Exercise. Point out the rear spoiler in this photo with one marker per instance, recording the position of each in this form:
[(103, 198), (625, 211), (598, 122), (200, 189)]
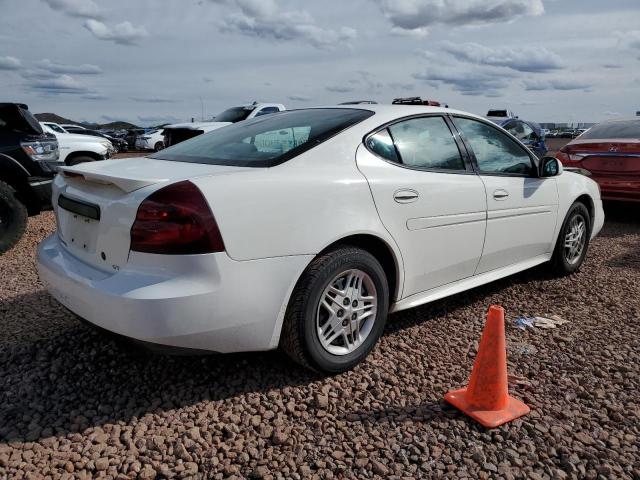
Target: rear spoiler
[(127, 184)]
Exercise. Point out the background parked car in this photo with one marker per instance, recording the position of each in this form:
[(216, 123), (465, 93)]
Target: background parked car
[(499, 115), (132, 135), (153, 140), (180, 132), (29, 158), (610, 151), (119, 144), (75, 148), (528, 133)]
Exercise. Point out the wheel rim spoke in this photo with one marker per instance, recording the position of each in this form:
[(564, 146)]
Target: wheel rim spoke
[(575, 239), (347, 312)]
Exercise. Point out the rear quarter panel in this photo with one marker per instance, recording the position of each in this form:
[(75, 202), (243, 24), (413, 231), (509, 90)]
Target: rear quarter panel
[(296, 208)]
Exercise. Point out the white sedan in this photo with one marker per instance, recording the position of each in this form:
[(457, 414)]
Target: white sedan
[(304, 229)]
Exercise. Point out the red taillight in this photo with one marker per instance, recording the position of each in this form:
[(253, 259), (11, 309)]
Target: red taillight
[(176, 220)]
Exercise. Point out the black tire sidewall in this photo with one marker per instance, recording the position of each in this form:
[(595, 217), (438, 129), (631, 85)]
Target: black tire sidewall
[(561, 262), (16, 221), (319, 357)]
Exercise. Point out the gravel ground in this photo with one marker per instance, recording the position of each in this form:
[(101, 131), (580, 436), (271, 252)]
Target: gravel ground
[(76, 403)]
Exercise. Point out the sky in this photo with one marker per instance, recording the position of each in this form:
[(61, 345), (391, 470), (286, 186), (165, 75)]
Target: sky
[(160, 61)]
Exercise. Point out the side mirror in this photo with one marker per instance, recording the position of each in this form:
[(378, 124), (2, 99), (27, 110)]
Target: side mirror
[(550, 167)]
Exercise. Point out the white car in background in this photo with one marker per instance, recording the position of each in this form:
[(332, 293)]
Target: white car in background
[(304, 229), (180, 132), (75, 148), (153, 140)]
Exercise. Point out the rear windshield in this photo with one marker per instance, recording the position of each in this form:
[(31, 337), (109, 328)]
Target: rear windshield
[(497, 113), (618, 129), (265, 141)]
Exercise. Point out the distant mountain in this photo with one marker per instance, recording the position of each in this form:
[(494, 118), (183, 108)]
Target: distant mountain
[(52, 117)]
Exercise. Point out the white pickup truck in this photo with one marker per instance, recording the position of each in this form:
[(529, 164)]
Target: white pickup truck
[(180, 132), (75, 149)]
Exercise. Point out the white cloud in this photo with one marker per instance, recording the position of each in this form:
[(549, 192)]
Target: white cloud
[(523, 59), (122, 33), (264, 20), (339, 89), (299, 98), (556, 84), (419, 15), (58, 85), (55, 67), (76, 8), (477, 83), (10, 63)]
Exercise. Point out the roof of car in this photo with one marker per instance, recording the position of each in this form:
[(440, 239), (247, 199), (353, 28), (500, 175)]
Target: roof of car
[(402, 110)]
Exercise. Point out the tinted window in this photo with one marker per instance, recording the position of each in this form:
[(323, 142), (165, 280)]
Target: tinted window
[(235, 114), (497, 113), (426, 143), (617, 129), (264, 141), (267, 110), (381, 144), (495, 152)]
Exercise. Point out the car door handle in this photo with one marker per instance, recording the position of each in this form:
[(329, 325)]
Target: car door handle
[(405, 196), (500, 194)]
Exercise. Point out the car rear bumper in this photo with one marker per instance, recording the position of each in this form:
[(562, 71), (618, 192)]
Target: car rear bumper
[(204, 302)]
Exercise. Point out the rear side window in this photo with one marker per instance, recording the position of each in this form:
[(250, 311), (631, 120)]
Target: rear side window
[(426, 143), (381, 144), (265, 141), (617, 129)]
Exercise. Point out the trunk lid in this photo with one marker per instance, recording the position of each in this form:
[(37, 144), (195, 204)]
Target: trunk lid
[(606, 156), (115, 189)]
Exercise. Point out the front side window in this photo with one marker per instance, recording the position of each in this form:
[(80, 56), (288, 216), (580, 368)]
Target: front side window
[(426, 142), (264, 141), (495, 152)]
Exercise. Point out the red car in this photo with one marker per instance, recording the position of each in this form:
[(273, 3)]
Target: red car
[(611, 152)]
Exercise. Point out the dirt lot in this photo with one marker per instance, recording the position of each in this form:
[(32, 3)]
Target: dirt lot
[(75, 403)]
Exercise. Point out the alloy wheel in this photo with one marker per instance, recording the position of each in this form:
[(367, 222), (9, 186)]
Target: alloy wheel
[(575, 239), (346, 312)]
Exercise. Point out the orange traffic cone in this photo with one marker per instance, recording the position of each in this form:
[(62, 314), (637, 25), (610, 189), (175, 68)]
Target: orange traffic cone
[(487, 399)]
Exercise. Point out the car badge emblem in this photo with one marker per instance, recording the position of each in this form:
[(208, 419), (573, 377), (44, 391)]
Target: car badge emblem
[(613, 149)]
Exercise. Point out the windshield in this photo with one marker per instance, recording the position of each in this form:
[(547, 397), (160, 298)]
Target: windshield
[(55, 128), (617, 129), (235, 114), (265, 141)]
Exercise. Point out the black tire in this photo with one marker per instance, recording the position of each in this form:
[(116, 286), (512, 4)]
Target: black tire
[(13, 218), (299, 337), (79, 159), (559, 262), (158, 146)]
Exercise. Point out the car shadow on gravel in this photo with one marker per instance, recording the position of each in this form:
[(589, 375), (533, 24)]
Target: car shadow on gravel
[(65, 382)]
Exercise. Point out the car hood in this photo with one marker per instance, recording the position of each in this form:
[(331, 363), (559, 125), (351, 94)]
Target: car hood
[(18, 117), (199, 125), (76, 137)]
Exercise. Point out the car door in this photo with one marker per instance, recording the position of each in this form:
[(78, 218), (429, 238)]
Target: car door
[(521, 208), (428, 198)]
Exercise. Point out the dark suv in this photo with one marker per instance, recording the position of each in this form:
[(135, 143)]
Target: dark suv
[(28, 163)]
